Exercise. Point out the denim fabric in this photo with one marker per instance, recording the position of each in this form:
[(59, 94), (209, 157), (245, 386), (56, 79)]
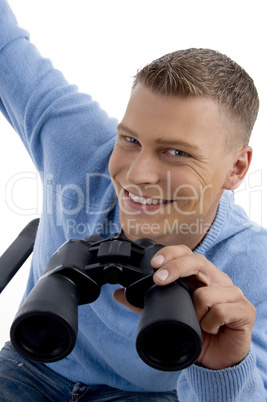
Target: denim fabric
[(22, 380)]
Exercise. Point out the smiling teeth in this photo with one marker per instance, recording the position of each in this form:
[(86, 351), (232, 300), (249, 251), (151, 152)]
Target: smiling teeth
[(145, 201)]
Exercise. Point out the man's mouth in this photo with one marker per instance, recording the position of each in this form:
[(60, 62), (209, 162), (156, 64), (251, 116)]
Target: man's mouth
[(147, 201)]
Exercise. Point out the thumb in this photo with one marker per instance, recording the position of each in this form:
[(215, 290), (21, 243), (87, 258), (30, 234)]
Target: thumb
[(119, 296)]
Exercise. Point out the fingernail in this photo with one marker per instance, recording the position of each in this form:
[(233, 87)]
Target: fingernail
[(162, 274), (158, 260)]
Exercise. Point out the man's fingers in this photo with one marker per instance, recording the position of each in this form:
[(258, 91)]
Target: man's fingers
[(119, 296), (177, 262), (219, 306)]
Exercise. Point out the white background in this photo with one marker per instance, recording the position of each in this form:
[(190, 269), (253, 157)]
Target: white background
[(99, 45)]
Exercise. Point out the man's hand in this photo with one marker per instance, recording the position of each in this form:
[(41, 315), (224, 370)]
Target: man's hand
[(226, 317)]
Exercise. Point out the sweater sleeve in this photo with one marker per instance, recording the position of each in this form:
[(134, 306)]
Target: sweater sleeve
[(239, 383), (50, 115), (22, 72)]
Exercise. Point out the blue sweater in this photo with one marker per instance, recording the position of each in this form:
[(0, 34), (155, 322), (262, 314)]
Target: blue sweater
[(70, 139)]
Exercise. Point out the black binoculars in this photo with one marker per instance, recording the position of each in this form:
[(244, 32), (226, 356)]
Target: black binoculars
[(45, 327)]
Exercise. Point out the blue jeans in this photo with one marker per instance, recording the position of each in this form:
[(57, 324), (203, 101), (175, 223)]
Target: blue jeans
[(22, 380)]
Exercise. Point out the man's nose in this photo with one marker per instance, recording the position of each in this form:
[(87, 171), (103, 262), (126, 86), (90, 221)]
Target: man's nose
[(144, 169)]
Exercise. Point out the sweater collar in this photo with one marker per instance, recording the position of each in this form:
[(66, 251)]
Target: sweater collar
[(218, 223)]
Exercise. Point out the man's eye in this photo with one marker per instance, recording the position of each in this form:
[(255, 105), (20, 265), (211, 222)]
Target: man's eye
[(131, 140), (177, 152)]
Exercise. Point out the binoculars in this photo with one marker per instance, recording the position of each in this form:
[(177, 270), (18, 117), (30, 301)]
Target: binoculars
[(45, 327)]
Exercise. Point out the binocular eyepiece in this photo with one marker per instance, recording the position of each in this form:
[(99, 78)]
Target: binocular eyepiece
[(45, 327)]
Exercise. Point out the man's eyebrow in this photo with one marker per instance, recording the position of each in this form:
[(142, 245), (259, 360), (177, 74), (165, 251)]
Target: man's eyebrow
[(161, 140), (127, 130), (176, 143)]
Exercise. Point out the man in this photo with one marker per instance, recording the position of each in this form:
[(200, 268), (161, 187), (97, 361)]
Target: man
[(182, 147)]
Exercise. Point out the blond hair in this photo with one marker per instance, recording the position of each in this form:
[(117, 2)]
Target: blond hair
[(207, 73)]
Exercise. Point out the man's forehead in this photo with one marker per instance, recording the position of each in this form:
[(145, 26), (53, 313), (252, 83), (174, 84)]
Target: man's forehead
[(194, 122)]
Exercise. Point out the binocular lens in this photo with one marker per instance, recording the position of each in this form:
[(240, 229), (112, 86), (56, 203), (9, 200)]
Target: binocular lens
[(45, 327), (168, 346), (44, 338), (168, 335)]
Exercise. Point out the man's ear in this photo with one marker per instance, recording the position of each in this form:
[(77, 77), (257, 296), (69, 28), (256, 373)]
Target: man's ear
[(239, 169)]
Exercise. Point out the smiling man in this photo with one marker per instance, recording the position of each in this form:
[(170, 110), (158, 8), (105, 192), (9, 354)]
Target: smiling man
[(181, 143), (170, 164), (165, 172)]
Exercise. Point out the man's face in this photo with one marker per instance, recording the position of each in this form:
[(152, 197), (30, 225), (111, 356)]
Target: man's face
[(169, 167)]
